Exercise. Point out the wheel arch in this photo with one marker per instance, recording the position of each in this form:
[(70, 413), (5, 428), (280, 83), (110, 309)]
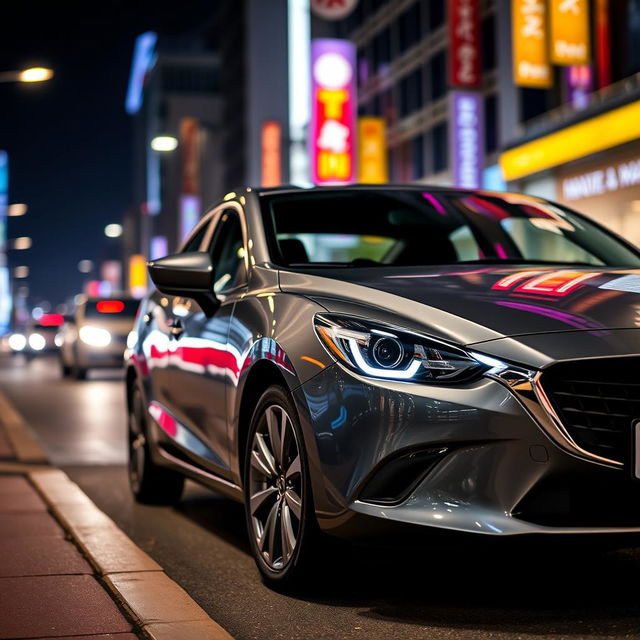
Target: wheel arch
[(261, 376)]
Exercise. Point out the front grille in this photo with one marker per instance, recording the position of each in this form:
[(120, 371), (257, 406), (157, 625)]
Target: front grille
[(597, 401)]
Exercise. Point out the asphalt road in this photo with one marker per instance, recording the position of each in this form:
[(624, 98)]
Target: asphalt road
[(520, 590)]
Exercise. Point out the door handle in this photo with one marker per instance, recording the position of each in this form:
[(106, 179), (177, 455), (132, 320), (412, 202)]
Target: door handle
[(176, 328)]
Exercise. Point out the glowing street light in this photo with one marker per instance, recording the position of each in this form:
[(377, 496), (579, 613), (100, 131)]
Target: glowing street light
[(164, 143), (15, 210), (33, 74), (113, 230), (85, 266), (36, 74), (21, 272), (21, 243)]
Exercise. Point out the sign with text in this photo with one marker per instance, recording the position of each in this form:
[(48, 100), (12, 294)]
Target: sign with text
[(464, 36), (333, 121), (333, 9), (466, 138), (569, 22), (372, 151), (271, 146), (190, 155), (601, 180), (531, 66)]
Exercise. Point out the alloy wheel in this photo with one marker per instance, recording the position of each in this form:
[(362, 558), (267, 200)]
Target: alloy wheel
[(275, 488)]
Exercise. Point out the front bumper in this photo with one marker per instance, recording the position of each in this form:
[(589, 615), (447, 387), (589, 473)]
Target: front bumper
[(111, 356), (496, 470)]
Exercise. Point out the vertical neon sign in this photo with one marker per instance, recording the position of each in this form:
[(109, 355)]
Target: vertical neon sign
[(333, 118)]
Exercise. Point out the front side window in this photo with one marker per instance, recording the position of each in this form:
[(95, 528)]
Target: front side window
[(360, 228), (228, 253), (195, 242)]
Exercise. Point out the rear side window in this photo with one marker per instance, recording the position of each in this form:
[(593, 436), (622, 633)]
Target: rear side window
[(111, 308)]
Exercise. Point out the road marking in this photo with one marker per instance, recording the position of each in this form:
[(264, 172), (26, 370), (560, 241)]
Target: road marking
[(20, 437)]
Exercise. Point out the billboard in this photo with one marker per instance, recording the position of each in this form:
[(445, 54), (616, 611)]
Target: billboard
[(531, 66), (569, 24), (4, 198), (189, 214), (143, 60), (372, 151), (271, 146), (333, 104), (466, 138), (137, 276), (190, 154), (464, 36)]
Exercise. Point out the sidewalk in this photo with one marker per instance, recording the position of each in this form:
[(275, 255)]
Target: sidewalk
[(47, 589), (66, 570)]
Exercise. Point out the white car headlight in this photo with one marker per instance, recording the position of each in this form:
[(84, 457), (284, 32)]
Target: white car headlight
[(132, 339), (17, 342), (382, 351), (37, 342), (94, 336), (390, 353)]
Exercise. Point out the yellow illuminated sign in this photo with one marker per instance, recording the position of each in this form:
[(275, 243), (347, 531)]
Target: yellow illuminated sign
[(569, 22), (529, 33), (137, 274), (577, 141), (372, 151)]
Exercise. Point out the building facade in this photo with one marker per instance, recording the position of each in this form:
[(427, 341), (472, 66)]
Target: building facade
[(174, 94)]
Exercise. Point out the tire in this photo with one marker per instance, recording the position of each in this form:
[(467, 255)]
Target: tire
[(283, 532), (79, 373), (65, 370), (150, 483)]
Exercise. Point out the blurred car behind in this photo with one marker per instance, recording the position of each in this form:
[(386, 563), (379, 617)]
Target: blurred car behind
[(95, 336)]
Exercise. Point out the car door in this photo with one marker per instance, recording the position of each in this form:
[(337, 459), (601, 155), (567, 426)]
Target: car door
[(199, 360)]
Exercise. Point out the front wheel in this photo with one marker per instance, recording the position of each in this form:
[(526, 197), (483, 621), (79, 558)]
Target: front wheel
[(283, 531), (150, 483)]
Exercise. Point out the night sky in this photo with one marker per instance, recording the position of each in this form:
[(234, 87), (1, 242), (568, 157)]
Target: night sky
[(69, 139)]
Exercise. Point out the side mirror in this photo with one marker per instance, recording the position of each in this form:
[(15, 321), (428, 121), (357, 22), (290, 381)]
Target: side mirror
[(189, 274)]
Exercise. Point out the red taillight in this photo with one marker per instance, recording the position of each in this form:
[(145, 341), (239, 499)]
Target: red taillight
[(110, 306), (51, 320)]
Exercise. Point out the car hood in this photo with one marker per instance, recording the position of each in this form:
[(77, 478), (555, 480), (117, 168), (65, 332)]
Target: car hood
[(476, 303)]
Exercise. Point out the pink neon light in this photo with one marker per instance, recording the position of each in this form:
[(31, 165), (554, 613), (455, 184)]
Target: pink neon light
[(437, 205), (499, 249)]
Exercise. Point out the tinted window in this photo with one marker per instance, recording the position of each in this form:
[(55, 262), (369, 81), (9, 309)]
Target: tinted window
[(111, 308), (411, 227), (194, 243), (227, 253)]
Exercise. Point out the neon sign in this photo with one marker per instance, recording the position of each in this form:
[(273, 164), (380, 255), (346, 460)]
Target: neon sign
[(333, 111)]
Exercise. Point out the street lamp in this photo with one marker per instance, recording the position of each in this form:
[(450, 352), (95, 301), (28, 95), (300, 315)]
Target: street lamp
[(15, 210), (164, 143), (21, 243), (85, 266), (113, 230), (33, 74)]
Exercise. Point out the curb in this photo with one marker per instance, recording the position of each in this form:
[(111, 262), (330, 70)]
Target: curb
[(20, 437), (161, 608)]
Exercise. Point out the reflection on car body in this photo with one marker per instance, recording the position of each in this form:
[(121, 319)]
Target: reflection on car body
[(344, 360)]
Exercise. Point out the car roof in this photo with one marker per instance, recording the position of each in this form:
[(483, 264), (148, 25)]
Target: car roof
[(291, 189)]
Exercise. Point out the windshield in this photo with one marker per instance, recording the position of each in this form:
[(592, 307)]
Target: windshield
[(112, 308), (414, 228)]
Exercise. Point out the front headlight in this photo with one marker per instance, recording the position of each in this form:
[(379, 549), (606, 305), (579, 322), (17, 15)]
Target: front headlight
[(17, 342), (382, 351), (94, 336), (37, 342)]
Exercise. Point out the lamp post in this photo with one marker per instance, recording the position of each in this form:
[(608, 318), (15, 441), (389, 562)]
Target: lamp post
[(33, 74)]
